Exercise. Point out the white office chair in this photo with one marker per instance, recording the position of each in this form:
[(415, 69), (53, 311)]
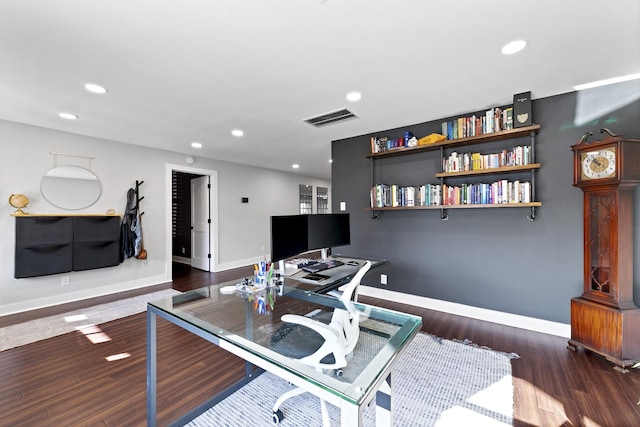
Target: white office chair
[(335, 344)]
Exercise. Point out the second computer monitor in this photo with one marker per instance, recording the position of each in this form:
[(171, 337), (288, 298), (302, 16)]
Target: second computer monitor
[(292, 235), (328, 230)]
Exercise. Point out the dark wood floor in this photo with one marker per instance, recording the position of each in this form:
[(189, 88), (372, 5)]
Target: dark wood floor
[(66, 380)]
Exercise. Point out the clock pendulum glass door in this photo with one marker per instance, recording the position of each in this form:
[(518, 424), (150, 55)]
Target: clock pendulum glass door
[(599, 242)]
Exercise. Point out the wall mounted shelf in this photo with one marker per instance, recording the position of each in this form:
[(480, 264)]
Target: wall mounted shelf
[(490, 171), (448, 145)]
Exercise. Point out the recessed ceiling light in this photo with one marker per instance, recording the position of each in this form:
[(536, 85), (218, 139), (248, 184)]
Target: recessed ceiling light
[(92, 87), (295, 166), (330, 160), (68, 116), (607, 81), (196, 144), (354, 96), (237, 132), (513, 47)]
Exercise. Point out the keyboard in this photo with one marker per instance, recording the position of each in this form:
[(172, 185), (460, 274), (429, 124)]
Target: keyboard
[(316, 277), (300, 262), (321, 266)]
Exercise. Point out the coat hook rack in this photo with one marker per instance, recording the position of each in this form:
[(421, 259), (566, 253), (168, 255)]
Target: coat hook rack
[(138, 198)]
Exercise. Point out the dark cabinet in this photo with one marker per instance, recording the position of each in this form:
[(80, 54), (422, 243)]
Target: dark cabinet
[(58, 244)]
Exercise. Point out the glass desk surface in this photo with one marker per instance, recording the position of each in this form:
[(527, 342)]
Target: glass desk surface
[(251, 320)]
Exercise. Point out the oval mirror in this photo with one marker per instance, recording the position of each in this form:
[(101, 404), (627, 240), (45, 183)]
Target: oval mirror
[(70, 187)]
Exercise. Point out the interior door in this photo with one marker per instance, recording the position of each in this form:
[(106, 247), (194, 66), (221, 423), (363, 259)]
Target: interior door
[(200, 223)]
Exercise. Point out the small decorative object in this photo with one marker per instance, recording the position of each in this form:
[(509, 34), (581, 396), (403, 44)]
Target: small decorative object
[(412, 142), (19, 201), (111, 211), (407, 136), (522, 110), (431, 139)]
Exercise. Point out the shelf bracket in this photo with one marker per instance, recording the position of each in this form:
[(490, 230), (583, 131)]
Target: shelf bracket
[(374, 215), (532, 216), (444, 215)]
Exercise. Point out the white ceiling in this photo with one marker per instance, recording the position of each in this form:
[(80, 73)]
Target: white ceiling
[(179, 71)]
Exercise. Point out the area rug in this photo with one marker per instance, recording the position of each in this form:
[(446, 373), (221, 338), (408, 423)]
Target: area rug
[(48, 327), (437, 382)]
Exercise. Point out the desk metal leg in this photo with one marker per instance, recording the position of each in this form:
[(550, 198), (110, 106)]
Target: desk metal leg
[(383, 404), (151, 370), (248, 367), (350, 415)]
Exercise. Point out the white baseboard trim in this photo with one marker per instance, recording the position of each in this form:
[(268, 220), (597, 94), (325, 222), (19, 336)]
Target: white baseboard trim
[(508, 319), (83, 294), (181, 260), (239, 263)]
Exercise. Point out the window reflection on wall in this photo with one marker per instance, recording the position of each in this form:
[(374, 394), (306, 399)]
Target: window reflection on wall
[(322, 199), (306, 199)]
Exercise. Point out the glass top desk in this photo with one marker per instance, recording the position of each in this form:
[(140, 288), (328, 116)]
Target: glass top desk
[(244, 324)]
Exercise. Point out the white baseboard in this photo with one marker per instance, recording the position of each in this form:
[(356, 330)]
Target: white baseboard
[(509, 319), (83, 294), (181, 260), (239, 263)]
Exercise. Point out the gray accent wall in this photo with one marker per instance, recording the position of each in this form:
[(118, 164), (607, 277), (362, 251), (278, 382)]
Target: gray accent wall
[(490, 258)]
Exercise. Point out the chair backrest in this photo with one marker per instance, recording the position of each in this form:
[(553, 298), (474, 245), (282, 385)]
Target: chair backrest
[(348, 321), (350, 290)]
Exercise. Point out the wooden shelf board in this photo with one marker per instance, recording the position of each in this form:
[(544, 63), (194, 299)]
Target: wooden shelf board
[(487, 137), (505, 169), (27, 215)]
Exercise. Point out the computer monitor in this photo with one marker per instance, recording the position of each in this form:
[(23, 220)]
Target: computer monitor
[(288, 236), (292, 235), (328, 231)]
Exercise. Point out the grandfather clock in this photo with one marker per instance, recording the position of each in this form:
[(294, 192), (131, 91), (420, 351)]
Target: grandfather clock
[(605, 319)]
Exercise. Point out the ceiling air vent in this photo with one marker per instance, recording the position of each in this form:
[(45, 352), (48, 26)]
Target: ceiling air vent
[(332, 117)]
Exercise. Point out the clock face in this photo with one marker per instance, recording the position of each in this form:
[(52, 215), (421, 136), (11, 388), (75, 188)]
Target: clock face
[(599, 164)]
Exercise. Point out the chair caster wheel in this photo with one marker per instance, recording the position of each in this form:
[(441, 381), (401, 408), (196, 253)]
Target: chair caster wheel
[(339, 373), (277, 416)]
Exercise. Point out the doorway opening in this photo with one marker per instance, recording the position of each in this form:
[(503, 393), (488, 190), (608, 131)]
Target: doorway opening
[(193, 220)]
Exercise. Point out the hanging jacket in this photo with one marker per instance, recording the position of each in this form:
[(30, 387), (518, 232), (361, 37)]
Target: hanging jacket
[(130, 230)]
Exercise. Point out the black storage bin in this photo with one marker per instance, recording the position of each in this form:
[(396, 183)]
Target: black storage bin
[(96, 228), (42, 260), (95, 255), (44, 230)]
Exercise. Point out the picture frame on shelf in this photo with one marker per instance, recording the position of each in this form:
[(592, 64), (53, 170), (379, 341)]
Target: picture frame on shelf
[(522, 115)]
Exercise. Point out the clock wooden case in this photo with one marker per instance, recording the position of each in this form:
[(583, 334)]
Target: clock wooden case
[(605, 319)]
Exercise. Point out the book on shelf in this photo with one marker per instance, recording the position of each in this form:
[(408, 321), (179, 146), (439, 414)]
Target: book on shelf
[(498, 192), (493, 120), (381, 144), (465, 162)]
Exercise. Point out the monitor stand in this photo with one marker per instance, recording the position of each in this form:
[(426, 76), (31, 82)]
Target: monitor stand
[(324, 254), (285, 271)]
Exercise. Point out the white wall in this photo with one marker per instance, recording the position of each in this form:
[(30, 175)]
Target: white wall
[(243, 229)]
